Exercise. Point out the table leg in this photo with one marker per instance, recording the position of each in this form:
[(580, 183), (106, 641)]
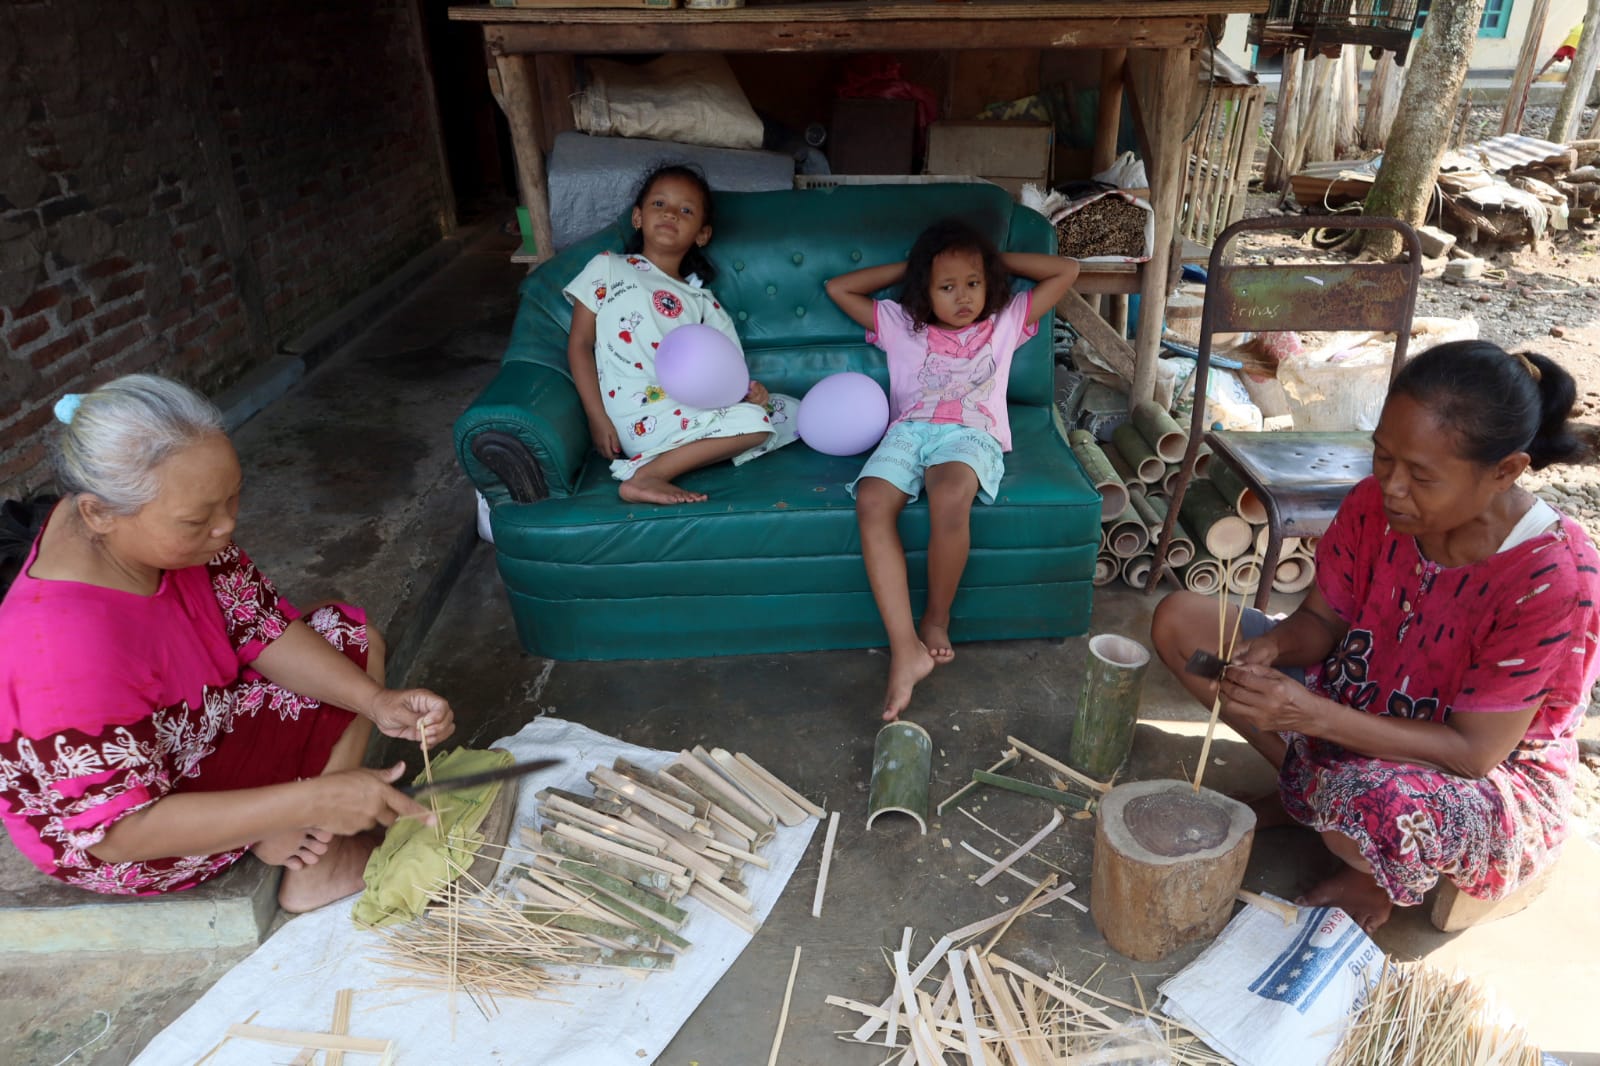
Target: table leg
[(519, 97)]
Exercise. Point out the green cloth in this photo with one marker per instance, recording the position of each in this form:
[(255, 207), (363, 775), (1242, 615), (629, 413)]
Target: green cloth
[(414, 859)]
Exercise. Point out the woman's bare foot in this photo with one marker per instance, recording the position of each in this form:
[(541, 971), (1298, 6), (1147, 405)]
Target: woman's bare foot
[(642, 489), (337, 875), (936, 638), (906, 668), (1354, 892), (294, 849)]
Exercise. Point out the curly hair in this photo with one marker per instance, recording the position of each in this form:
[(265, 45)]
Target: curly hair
[(695, 260), (951, 235)]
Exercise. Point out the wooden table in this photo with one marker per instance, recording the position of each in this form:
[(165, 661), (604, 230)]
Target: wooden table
[(1149, 44)]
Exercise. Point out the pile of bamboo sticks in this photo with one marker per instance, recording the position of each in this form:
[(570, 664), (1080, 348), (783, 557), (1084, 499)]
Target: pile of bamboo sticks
[(601, 880), (1418, 1016), (1136, 472)]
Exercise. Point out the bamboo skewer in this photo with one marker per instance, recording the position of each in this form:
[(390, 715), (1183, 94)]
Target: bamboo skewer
[(1028, 845), (1216, 702), (1007, 760), (783, 1013), (827, 861)]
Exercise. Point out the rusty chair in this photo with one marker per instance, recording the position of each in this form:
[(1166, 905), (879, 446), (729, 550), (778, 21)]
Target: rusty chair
[(1299, 477)]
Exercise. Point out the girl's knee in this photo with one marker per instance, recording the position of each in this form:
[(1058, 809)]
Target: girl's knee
[(878, 501)]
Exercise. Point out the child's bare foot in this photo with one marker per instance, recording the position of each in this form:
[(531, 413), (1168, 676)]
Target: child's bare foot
[(936, 638), (337, 875), (906, 668), (294, 848), (1354, 892), (641, 489)]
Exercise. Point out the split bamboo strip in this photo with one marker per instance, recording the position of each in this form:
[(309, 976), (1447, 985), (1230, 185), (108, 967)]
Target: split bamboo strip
[(969, 1022), (743, 856), (782, 807), (988, 861), (667, 788), (1002, 1011), (610, 842), (925, 1055), (1028, 788), (1007, 760), (1127, 535), (1158, 429), (1097, 787), (342, 1001), (1113, 492), (590, 803), (714, 903), (642, 796), (1213, 522), (783, 1013), (261, 1034), (750, 798), (1142, 458), (892, 1004), (1022, 908), (696, 775), (763, 817), (1028, 845), (661, 910), (827, 861), (1287, 911), (621, 866), (1216, 702), (778, 784), (557, 809)]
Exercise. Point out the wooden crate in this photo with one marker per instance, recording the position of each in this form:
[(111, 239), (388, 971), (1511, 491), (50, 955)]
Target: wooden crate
[(1221, 154)]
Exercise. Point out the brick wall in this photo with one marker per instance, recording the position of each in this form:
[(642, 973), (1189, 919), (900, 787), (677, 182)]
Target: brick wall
[(184, 187)]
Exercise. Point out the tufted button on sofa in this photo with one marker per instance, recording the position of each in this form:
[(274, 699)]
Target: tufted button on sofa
[(772, 561)]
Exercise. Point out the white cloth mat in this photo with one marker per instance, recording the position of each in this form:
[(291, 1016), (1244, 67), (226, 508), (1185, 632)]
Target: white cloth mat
[(619, 1017)]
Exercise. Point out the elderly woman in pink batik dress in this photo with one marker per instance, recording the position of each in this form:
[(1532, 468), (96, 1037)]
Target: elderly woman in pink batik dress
[(163, 711)]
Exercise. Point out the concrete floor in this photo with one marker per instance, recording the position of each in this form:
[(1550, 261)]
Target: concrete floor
[(360, 510)]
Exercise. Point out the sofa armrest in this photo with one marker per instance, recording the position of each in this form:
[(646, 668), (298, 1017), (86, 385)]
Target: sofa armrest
[(525, 437)]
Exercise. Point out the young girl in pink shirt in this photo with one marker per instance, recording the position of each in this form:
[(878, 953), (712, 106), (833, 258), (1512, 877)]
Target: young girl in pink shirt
[(949, 341)]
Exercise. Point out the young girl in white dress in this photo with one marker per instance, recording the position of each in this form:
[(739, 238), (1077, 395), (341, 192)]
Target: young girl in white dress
[(622, 306)]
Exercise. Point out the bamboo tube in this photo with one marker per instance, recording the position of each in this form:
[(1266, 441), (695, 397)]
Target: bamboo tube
[(1233, 489), (1244, 575), (1113, 493), (1294, 574), (1169, 480), (1202, 461), (1106, 568), (1291, 545), (1153, 509), (1203, 575), (1308, 545), (1127, 534), (1108, 706), (1130, 479), (1211, 518), (1136, 569), (902, 763), (1155, 424), (1140, 456)]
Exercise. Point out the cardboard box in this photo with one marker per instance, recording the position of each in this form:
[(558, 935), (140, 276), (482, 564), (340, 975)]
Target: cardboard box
[(872, 137), (1016, 150)]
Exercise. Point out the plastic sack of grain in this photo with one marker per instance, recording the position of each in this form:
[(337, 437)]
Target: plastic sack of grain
[(1106, 227)]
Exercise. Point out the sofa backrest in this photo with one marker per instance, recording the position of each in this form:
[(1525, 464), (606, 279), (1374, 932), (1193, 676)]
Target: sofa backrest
[(774, 250)]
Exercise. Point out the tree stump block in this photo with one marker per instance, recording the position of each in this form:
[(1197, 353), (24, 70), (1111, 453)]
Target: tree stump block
[(1167, 862)]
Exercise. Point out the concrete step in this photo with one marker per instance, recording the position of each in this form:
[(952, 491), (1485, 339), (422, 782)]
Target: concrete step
[(352, 492)]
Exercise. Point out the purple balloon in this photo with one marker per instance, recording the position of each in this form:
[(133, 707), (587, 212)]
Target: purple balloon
[(844, 414), (700, 366)]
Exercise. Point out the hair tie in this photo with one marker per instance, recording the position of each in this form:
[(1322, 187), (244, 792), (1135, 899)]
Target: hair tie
[(67, 407), (1528, 365)]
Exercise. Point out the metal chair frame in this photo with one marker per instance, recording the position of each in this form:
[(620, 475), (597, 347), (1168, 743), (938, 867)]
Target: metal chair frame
[(1293, 296)]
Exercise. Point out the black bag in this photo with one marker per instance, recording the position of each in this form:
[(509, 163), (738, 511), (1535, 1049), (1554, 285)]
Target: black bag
[(20, 523)]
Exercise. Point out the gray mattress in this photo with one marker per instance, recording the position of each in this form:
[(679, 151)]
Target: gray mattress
[(592, 179)]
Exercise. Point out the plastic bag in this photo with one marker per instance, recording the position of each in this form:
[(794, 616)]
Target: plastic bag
[(1340, 385), (1126, 173)]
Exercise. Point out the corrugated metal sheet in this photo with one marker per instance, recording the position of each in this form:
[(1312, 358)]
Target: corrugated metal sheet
[(1500, 154)]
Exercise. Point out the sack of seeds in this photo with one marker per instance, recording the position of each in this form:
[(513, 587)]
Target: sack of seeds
[(1111, 226)]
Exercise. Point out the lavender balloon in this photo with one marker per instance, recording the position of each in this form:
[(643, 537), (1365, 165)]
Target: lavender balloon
[(844, 414), (702, 367)]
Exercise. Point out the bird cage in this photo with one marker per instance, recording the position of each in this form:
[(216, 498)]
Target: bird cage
[(1326, 25)]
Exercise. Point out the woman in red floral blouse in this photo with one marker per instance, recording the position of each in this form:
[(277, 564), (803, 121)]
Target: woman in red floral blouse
[(162, 709), (1421, 704)]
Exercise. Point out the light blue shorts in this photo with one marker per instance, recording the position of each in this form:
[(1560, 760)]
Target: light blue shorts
[(903, 456)]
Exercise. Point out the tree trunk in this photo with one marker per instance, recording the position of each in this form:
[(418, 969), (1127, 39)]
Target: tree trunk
[(1517, 96), (1383, 100), (1348, 121), (1405, 182), (1285, 126), (1579, 78), (1318, 116)]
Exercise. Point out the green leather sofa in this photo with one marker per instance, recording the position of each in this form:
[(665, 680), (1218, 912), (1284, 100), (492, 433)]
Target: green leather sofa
[(772, 561)]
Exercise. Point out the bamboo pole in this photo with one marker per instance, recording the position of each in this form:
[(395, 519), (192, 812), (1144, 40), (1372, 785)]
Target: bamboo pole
[(1214, 523), (1243, 499), (1127, 535), (902, 762), (1108, 706), (1113, 493), (1130, 479), (1153, 509), (1157, 429), (1142, 458)]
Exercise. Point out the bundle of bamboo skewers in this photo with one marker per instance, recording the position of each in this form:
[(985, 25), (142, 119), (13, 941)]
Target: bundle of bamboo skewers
[(1136, 472), (1418, 1016), (600, 882)]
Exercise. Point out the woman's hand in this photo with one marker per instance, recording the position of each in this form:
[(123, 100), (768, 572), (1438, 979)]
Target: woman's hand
[(1264, 698), (409, 713), (1256, 651), (352, 801), (757, 394), (604, 435)]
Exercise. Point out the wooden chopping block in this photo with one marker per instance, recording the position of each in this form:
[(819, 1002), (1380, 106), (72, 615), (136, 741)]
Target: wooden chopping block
[(1167, 862)]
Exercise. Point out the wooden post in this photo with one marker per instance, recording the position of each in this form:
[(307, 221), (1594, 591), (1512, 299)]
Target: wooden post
[(1166, 118), (1579, 77), (1383, 100), (1108, 118), (1286, 126), (1527, 59), (1167, 863), (1108, 706), (902, 763), (519, 97), (1347, 123)]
